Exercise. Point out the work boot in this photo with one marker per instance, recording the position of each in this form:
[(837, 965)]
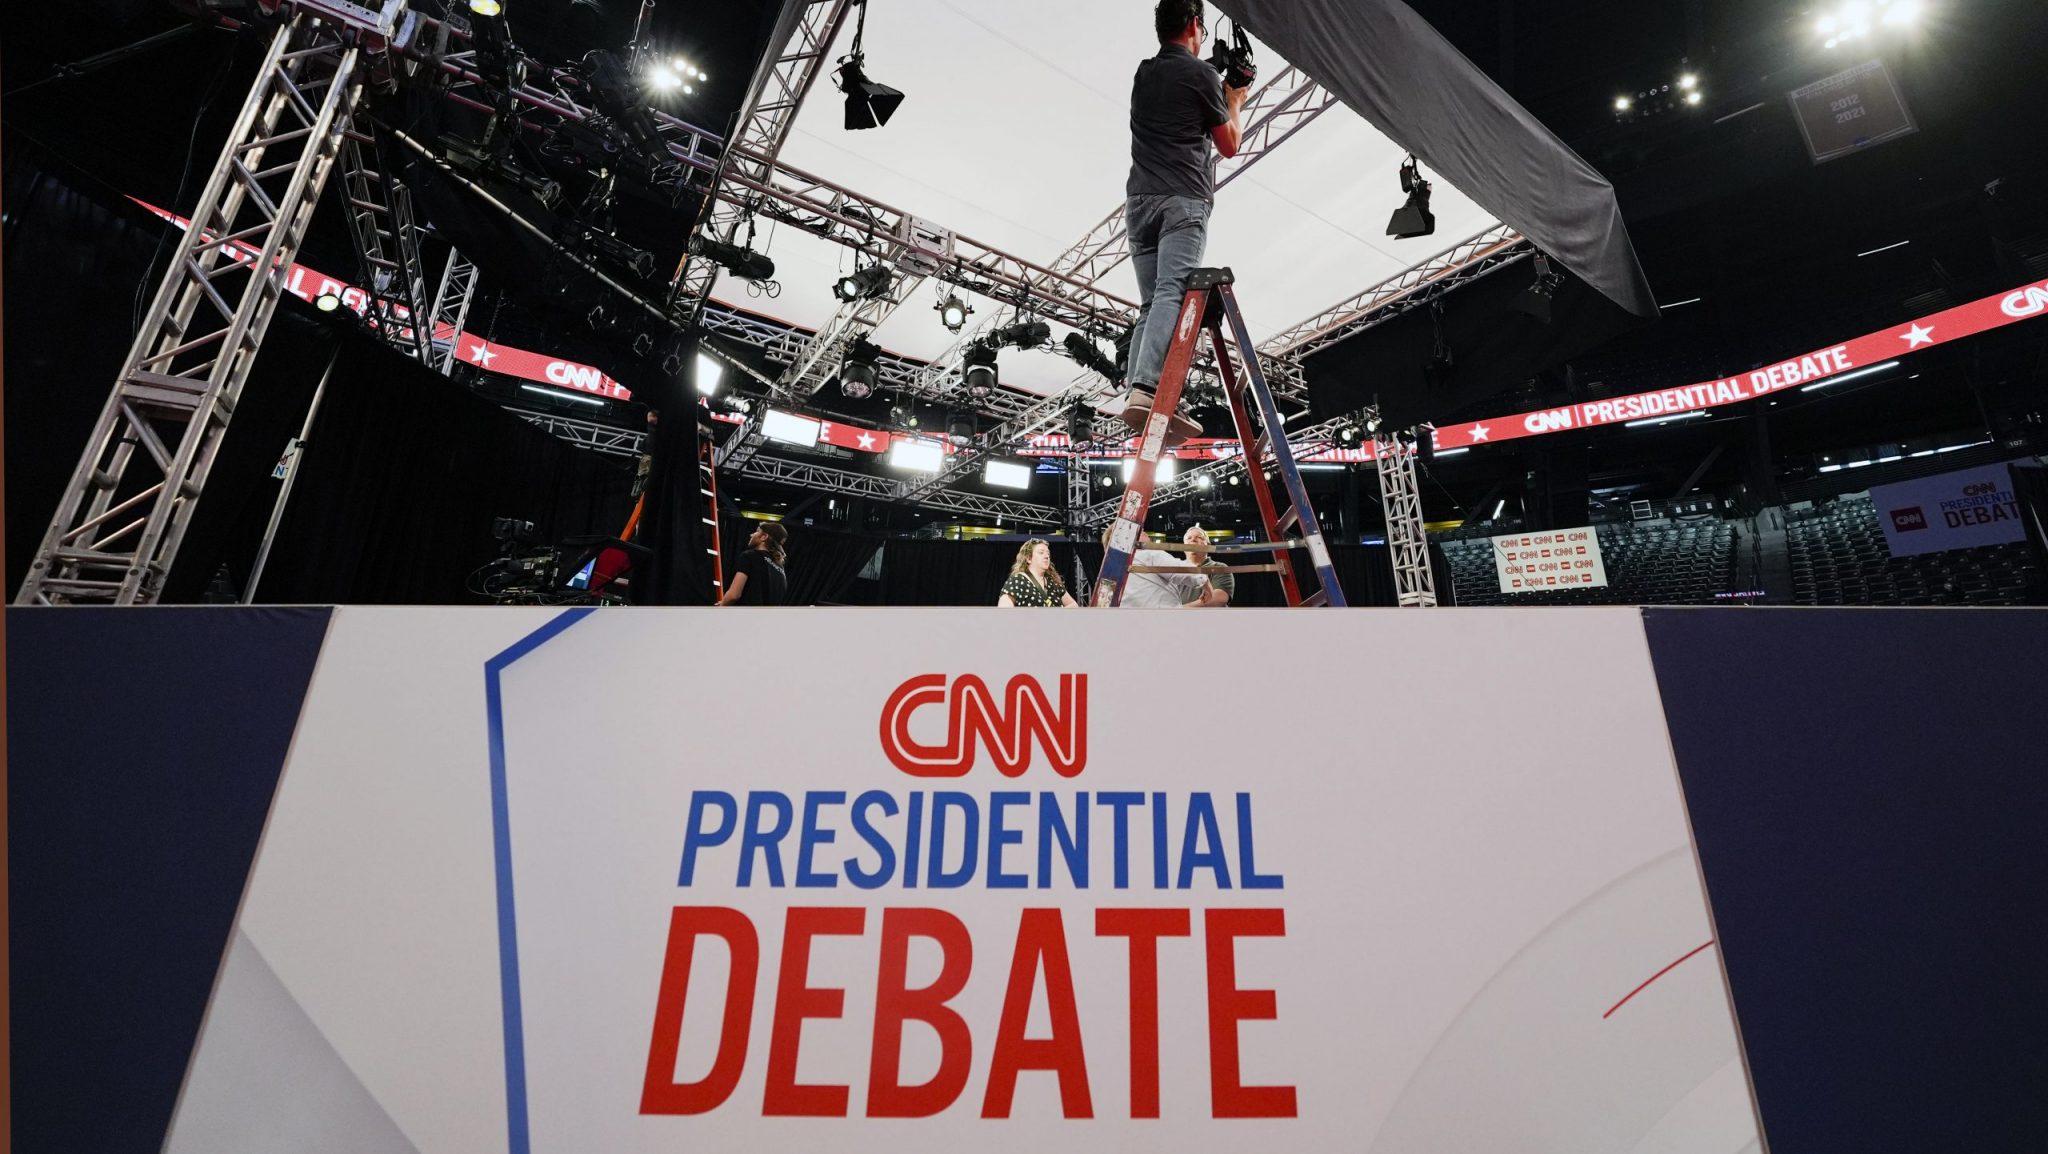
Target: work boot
[(1138, 409)]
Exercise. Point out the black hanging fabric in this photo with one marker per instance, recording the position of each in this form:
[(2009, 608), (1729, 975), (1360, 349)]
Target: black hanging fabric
[(399, 483)]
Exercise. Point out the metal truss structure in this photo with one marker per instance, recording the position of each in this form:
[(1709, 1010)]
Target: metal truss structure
[(1486, 251), (758, 144), (116, 532), (825, 479), (380, 220), (1279, 109), (610, 440), (1217, 472), (1401, 497), (451, 309)]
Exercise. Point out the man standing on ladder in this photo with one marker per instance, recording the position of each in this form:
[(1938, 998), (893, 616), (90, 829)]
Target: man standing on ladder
[(1180, 109)]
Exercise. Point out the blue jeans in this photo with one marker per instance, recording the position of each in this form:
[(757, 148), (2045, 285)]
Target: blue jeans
[(1167, 236)]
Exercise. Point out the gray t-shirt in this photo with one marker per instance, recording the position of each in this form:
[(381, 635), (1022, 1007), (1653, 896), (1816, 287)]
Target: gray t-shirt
[(1227, 582), (1175, 101)]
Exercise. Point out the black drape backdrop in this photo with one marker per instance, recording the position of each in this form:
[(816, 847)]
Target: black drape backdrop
[(398, 487), (402, 476)]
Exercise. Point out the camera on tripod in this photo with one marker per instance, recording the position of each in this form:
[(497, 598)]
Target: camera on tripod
[(1233, 58)]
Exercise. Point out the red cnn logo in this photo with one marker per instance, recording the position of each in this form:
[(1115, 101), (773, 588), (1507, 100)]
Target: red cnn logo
[(1907, 520), (975, 718)]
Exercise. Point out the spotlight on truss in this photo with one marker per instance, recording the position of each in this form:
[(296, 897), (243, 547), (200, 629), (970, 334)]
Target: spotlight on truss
[(1536, 300), (863, 283), (1414, 218), (1025, 334), (857, 372), (327, 302), (953, 313), (486, 7), (980, 369)]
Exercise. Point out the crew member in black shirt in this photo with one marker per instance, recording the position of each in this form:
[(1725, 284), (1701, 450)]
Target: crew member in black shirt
[(758, 577), (1182, 116)]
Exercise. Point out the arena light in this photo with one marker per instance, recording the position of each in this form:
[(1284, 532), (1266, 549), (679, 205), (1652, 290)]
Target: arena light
[(980, 370), (710, 372), (1414, 218), (1873, 370), (862, 283), (1623, 104), (1688, 82), (1694, 97), (789, 428), (486, 7), (953, 313), (868, 104), (327, 302), (558, 395), (917, 456), (857, 373), (1006, 475), (1167, 468)]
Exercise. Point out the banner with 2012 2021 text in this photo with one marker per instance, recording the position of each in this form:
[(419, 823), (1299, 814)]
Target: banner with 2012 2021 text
[(893, 880)]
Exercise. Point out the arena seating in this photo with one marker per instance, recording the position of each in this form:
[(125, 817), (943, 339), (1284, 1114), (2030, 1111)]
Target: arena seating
[(1839, 557), (1648, 563)]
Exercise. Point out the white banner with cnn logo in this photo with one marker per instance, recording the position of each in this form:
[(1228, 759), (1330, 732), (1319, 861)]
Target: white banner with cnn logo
[(1547, 562), (1960, 510), (879, 881)]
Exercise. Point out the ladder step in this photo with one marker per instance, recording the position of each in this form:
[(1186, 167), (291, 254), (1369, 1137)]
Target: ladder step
[(1316, 600), (1290, 519)]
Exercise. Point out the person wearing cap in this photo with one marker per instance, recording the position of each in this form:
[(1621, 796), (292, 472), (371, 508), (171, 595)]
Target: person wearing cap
[(758, 577)]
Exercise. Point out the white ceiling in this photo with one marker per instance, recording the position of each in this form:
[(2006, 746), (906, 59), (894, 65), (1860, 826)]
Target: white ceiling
[(1014, 131)]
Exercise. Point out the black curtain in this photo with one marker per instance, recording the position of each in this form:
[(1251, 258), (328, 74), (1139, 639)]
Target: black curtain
[(399, 483), (73, 264)]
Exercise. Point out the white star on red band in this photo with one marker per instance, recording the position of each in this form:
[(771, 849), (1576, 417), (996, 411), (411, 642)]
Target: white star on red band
[(1918, 335)]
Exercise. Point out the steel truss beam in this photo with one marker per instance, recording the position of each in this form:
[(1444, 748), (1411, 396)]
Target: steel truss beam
[(763, 128), (116, 532), (387, 240), (824, 479), (1217, 472), (832, 211), (451, 309), (1401, 498), (1483, 252), (607, 439)]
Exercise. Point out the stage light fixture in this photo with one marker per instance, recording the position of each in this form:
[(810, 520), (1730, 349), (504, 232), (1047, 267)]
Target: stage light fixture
[(1688, 82), (953, 313), (744, 263), (1536, 300), (1107, 482), (486, 7), (1205, 482), (1006, 475), (857, 373), (710, 371), (868, 104), (1693, 97), (664, 80), (1025, 334), (1236, 480), (1414, 218), (979, 369), (1623, 104), (960, 429), (327, 302), (917, 456), (862, 283), (1349, 436), (790, 429), (1372, 423)]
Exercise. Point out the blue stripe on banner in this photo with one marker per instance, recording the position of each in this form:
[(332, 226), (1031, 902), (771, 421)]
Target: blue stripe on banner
[(1866, 792), (501, 837), (144, 747)]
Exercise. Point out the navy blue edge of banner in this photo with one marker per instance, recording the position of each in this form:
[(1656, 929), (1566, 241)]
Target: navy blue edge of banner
[(518, 1135), (1868, 797), (144, 748)]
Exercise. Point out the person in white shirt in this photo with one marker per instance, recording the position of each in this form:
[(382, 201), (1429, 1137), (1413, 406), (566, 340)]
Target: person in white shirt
[(1160, 590)]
